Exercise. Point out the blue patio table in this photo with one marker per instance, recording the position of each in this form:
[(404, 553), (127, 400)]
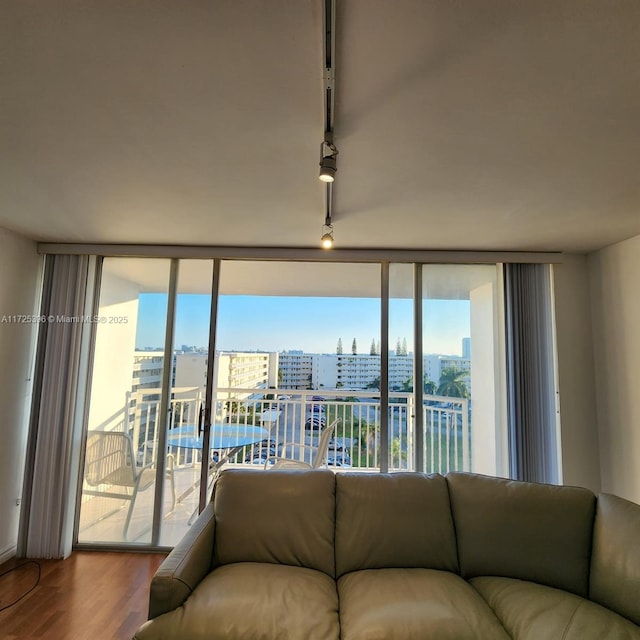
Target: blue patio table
[(228, 438)]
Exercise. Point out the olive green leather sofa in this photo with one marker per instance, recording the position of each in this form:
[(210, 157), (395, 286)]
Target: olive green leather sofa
[(313, 555)]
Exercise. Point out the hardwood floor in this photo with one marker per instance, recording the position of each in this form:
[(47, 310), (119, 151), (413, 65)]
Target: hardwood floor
[(89, 596)]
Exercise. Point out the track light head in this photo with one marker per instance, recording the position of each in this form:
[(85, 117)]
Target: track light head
[(328, 169), (327, 237), (328, 165)]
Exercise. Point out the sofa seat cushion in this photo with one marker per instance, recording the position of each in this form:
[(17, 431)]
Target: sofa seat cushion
[(413, 604), (253, 601), (531, 611)]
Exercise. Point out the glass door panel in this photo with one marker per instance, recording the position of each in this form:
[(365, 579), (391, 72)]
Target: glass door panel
[(297, 348), (117, 499), (190, 358), (460, 329), (401, 369), (293, 355)]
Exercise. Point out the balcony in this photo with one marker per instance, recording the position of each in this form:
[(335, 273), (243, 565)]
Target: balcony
[(291, 421), (446, 437)]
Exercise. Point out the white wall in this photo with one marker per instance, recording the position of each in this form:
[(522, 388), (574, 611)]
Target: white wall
[(114, 349), (485, 431), (615, 302), (20, 268), (576, 381)]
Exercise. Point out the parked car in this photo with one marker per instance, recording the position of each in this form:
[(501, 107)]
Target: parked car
[(316, 408), (338, 457), (259, 453), (315, 422)]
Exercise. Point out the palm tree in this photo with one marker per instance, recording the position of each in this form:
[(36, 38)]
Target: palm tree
[(398, 455), (367, 434), (430, 387), (452, 384), (374, 384)]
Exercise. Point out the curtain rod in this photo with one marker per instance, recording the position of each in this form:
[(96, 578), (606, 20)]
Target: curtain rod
[(301, 254)]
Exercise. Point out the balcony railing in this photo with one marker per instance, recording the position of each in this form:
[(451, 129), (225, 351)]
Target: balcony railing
[(295, 418)]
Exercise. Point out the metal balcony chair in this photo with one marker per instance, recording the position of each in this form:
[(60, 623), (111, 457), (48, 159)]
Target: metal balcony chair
[(319, 456), (110, 464)]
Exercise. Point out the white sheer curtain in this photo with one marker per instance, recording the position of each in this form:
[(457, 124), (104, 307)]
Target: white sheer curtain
[(531, 387), (56, 420)]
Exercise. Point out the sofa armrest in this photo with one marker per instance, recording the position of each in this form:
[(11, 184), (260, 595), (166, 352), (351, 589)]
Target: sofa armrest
[(187, 564)]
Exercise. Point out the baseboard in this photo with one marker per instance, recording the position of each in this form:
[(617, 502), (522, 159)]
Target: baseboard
[(8, 554)]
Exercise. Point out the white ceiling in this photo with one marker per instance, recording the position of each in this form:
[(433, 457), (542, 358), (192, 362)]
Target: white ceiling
[(461, 124)]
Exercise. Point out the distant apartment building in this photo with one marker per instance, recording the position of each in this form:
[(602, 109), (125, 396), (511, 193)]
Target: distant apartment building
[(296, 369), (400, 371), (146, 384), (246, 370), (341, 371), (356, 371), (347, 371), (235, 370), (147, 370), (293, 370), (435, 364), (466, 348)]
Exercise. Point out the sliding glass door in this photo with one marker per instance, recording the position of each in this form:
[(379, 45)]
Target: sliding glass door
[(204, 364)]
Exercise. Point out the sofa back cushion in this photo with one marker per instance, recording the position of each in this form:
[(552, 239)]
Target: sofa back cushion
[(523, 530), (393, 520), (285, 517), (615, 560)]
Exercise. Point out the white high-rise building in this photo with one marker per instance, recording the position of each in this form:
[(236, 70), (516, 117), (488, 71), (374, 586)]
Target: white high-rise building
[(466, 348), (435, 364), (340, 371), (246, 370), (147, 370), (146, 385), (347, 371), (296, 369), (400, 371)]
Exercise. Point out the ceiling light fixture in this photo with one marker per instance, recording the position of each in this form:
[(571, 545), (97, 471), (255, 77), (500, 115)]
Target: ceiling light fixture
[(328, 150), (328, 164), (327, 236)]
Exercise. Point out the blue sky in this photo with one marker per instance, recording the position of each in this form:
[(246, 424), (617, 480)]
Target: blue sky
[(272, 323)]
